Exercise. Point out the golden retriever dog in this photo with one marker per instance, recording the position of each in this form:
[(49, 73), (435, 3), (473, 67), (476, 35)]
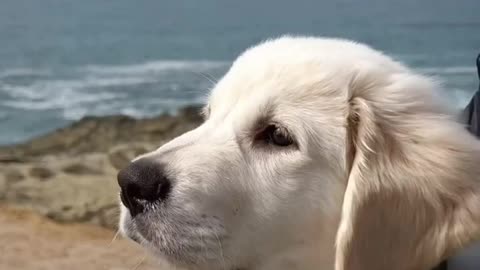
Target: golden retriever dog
[(315, 154)]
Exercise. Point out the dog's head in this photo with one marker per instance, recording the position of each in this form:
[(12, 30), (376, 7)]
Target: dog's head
[(314, 153)]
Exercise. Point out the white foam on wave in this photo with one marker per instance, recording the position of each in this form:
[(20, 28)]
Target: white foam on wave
[(410, 56), (21, 92), (448, 70), (93, 90), (24, 72), (103, 108), (68, 95), (89, 83), (90, 94), (155, 66), (44, 88), (141, 109), (66, 100)]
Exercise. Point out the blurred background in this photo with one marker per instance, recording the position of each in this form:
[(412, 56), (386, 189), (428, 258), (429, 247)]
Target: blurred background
[(64, 60)]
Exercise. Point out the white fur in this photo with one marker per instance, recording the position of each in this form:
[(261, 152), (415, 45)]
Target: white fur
[(239, 205)]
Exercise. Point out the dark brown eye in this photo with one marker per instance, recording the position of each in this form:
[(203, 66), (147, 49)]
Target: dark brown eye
[(277, 136)]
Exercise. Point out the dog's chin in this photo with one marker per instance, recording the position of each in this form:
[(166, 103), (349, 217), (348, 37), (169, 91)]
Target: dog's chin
[(184, 241)]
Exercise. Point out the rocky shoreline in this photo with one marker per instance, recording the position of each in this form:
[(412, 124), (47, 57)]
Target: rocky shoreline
[(69, 175), (59, 196)]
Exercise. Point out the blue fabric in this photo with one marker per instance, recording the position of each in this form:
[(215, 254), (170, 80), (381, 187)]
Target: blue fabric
[(467, 259)]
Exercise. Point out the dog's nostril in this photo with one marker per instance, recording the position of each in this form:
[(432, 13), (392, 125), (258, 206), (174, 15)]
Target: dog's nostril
[(143, 181), (163, 190), (133, 205)]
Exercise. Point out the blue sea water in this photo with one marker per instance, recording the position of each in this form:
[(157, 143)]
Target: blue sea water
[(61, 60)]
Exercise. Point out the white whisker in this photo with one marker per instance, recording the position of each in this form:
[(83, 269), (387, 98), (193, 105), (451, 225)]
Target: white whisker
[(115, 236), (139, 263), (222, 257), (207, 76)]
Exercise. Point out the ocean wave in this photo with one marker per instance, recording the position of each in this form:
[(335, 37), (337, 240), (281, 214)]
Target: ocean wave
[(65, 100), (155, 66), (104, 108), (76, 98), (48, 89), (141, 109), (64, 94), (16, 72), (410, 56), (448, 70), (105, 90)]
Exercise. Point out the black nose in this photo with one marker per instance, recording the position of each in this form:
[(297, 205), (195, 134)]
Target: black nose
[(141, 182)]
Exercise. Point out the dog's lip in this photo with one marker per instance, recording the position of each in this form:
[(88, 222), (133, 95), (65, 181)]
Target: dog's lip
[(129, 231), (135, 238), (132, 235)]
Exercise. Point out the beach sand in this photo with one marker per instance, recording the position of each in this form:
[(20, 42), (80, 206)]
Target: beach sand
[(29, 241)]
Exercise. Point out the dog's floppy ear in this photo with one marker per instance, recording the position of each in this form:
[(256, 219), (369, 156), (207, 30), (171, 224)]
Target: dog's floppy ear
[(412, 197)]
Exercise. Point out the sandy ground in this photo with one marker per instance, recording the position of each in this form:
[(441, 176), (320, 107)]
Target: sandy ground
[(29, 241)]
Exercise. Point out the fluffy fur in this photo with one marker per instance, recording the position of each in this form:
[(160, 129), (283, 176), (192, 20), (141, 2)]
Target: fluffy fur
[(381, 176)]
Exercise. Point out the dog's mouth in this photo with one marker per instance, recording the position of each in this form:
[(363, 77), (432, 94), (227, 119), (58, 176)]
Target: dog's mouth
[(180, 239)]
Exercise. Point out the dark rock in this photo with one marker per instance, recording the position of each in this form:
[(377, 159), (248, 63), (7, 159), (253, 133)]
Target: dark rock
[(99, 134), (12, 176), (80, 169), (121, 156), (41, 173)]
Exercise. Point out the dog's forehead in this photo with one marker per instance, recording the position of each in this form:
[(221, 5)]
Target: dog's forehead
[(284, 72), (298, 70)]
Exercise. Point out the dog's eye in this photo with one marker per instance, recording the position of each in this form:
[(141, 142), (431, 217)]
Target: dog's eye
[(277, 136)]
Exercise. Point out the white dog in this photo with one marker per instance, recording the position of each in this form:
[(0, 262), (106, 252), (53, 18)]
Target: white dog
[(315, 154)]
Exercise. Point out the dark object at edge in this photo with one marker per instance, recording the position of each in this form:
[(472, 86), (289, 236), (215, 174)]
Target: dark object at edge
[(471, 117), (471, 114)]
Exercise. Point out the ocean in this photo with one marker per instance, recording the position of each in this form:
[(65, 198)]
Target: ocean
[(61, 60)]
